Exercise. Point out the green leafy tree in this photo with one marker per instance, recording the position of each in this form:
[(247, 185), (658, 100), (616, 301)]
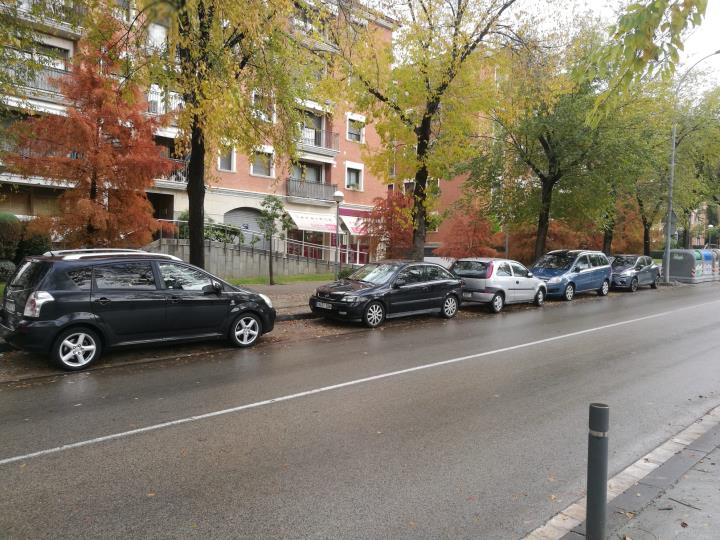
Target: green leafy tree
[(274, 222), (424, 89)]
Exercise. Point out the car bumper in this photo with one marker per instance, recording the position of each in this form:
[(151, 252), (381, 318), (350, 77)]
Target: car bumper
[(337, 310), (269, 316), (33, 336), (621, 282), (555, 289)]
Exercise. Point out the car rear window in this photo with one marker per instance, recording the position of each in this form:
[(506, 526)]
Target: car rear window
[(71, 279), (471, 269), (29, 275)]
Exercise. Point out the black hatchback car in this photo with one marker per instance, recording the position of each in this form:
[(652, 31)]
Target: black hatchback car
[(75, 304), (389, 289)]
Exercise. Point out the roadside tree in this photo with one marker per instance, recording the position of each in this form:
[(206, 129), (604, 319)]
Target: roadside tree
[(274, 222)]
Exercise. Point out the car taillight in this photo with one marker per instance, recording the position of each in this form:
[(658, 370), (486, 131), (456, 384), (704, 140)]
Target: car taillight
[(489, 271), (35, 302)]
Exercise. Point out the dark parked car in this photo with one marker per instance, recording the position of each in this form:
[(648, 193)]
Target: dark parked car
[(568, 272), (389, 289), (632, 271), (75, 304)]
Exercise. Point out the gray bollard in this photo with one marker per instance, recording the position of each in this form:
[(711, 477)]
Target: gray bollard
[(597, 472)]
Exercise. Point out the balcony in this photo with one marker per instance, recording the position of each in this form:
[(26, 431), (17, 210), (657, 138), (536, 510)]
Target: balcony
[(55, 16), (180, 175), (310, 190), (160, 102), (319, 141), (43, 82)]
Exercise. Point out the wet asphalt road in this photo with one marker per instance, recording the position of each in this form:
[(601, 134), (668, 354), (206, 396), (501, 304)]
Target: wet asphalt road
[(487, 447)]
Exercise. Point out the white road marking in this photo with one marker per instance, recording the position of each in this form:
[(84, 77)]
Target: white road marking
[(155, 427)]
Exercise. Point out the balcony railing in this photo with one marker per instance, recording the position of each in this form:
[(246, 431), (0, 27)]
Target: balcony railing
[(319, 138), (180, 174), (46, 79), (160, 102), (310, 190), (53, 11)]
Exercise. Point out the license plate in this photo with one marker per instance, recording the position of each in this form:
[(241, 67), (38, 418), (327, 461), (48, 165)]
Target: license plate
[(10, 306), (323, 305)]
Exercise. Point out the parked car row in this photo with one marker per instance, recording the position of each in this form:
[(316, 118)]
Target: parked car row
[(73, 305)]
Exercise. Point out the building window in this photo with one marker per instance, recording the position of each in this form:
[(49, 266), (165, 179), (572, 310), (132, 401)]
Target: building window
[(263, 107), (355, 130), (226, 160), (262, 164), (353, 178), (308, 172)]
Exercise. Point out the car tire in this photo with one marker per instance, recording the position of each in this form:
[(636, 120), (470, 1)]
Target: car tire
[(604, 288), (539, 297), (634, 285), (374, 314), (450, 307), (569, 292), (497, 303), (245, 330), (76, 348), (656, 283)]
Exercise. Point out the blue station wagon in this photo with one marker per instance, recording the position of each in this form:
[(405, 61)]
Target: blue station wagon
[(568, 272)]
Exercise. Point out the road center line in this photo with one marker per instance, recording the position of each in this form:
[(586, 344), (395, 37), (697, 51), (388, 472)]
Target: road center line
[(355, 382)]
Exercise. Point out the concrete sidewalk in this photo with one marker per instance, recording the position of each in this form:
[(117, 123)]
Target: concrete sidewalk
[(680, 499)]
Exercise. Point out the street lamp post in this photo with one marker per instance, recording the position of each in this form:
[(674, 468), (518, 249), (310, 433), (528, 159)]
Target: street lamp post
[(338, 197), (708, 231), (671, 181)]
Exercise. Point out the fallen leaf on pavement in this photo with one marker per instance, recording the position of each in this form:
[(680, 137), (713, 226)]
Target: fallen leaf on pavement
[(683, 525)]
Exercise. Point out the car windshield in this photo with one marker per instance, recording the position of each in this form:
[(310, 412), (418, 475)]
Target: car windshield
[(619, 262), (556, 260), (472, 269), (375, 273)]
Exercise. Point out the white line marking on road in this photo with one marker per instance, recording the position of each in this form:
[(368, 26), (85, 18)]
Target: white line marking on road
[(566, 520), (346, 384)]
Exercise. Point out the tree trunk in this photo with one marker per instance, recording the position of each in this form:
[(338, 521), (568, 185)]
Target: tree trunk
[(270, 263), (646, 238), (196, 195), (686, 237), (543, 217), (608, 238), (419, 212)]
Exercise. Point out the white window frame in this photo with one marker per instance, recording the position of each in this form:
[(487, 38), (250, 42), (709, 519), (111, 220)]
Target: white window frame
[(357, 118), (258, 114), (233, 156), (356, 166), (265, 149)]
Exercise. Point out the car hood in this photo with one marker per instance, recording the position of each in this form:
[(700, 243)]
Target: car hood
[(345, 286), (621, 269), (541, 272)]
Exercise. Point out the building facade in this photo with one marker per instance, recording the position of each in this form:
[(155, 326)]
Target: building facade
[(332, 143)]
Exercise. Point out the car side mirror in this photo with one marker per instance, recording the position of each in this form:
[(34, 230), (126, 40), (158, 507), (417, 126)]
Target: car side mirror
[(213, 288), (399, 283), (530, 274), (576, 269)]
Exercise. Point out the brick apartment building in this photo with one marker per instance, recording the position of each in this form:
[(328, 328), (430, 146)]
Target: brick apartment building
[(330, 158)]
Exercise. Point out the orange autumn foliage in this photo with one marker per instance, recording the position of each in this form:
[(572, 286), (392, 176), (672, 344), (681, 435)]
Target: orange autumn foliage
[(471, 235), (560, 236), (390, 226), (102, 150)]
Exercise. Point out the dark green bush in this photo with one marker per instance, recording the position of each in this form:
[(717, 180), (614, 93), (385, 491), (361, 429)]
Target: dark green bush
[(10, 234), (32, 244), (6, 270), (346, 271)]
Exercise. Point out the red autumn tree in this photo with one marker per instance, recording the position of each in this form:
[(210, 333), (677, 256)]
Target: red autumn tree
[(560, 236), (102, 150), (471, 235), (390, 225)]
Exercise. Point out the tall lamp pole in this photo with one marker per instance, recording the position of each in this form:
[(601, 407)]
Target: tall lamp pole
[(668, 221), (338, 197)]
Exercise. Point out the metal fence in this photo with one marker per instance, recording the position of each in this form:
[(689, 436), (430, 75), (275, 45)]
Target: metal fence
[(310, 190)]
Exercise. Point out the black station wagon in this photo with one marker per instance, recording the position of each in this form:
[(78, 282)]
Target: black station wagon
[(74, 304), (389, 289)]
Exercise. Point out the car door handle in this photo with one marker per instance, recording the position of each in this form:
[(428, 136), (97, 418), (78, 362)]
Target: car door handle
[(102, 301), (175, 299), (517, 283)]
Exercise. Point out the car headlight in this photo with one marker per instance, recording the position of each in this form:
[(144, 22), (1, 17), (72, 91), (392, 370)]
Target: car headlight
[(266, 299), (627, 273), (553, 280), (350, 299)]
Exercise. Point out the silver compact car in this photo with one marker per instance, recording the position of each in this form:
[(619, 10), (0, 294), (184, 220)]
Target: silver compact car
[(497, 282)]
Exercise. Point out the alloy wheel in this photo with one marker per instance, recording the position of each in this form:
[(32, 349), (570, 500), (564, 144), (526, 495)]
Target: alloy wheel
[(497, 303), (569, 292), (77, 350), (634, 285), (540, 297), (247, 330), (450, 307), (374, 314)]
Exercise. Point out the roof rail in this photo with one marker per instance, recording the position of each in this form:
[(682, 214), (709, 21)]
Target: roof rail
[(133, 253), (56, 253)]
